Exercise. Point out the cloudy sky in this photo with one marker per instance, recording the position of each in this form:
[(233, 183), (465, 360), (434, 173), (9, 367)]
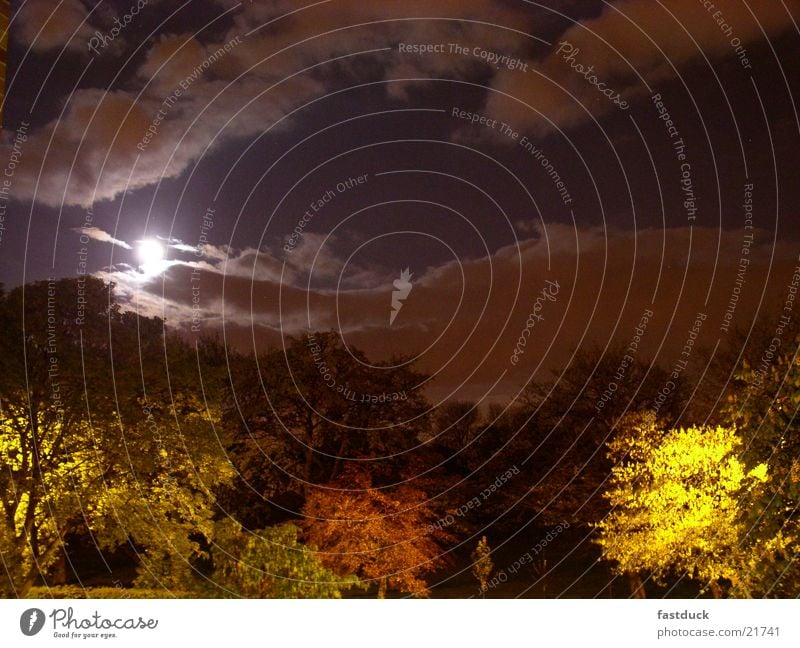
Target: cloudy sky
[(290, 159)]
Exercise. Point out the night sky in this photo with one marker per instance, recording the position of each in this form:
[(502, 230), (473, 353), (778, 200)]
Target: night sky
[(293, 158)]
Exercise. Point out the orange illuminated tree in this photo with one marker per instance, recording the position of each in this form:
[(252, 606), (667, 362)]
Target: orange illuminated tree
[(386, 535)]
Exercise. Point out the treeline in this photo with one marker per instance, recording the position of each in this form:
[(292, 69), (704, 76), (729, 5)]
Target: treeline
[(133, 457)]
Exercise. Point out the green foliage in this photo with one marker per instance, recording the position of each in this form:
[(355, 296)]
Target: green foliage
[(48, 461), (103, 429), (163, 500), (77, 592), (679, 504), (763, 401), (271, 563)]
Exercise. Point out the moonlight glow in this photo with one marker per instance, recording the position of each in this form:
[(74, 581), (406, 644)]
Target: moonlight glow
[(151, 255), (150, 252)]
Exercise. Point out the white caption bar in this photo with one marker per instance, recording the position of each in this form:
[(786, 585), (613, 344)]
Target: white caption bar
[(367, 623)]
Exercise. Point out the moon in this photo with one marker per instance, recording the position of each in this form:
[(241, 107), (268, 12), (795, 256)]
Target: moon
[(151, 255), (150, 251)]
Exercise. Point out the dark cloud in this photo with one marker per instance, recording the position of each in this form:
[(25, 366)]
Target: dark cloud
[(247, 81), (237, 86), (630, 42)]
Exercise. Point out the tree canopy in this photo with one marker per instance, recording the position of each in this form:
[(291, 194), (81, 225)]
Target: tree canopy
[(679, 504)]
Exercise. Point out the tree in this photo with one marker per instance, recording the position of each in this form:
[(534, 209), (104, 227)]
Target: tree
[(102, 432), (161, 501), (482, 564), (386, 535), (564, 425), (679, 504), (455, 425), (739, 368), (270, 563), (763, 401), (300, 415), (47, 462)]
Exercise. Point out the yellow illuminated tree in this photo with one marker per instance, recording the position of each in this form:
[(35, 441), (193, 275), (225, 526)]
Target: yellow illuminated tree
[(679, 504), (482, 564), (763, 399), (96, 436), (47, 461)]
